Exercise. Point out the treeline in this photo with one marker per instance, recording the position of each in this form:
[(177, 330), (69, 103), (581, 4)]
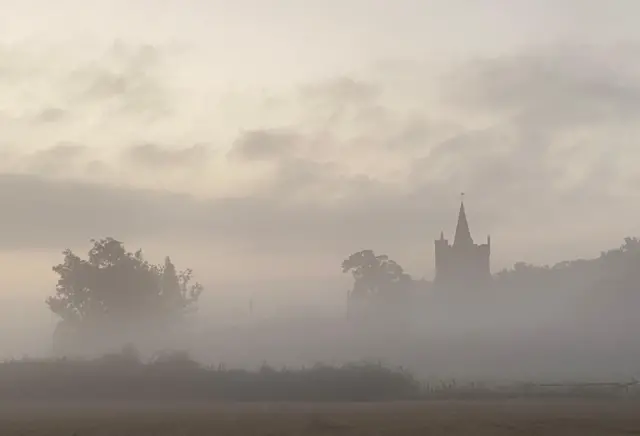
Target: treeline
[(615, 271), (174, 377), (177, 378)]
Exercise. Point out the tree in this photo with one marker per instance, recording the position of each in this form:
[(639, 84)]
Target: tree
[(114, 287), (615, 272), (376, 276), (619, 269)]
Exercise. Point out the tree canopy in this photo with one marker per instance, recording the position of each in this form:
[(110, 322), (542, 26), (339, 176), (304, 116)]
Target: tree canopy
[(114, 285), (376, 276)]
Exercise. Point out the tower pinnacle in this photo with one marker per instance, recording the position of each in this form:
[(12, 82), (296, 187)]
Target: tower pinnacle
[(463, 235)]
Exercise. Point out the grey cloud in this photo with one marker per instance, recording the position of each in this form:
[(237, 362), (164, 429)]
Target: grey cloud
[(97, 168), (63, 150), (155, 155), (344, 100), (416, 132), (322, 182), (123, 71), (536, 98), (60, 158), (43, 213), (65, 159), (51, 115), (514, 182), (124, 79), (258, 145), (552, 87), (319, 206), (340, 90), (133, 87)]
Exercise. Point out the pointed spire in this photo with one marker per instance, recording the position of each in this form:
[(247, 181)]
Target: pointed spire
[(463, 235)]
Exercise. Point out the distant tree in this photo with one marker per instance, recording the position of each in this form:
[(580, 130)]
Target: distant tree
[(615, 272), (619, 269), (114, 287), (631, 245), (376, 276), (524, 273)]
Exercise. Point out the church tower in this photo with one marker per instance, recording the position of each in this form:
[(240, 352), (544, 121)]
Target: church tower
[(463, 264)]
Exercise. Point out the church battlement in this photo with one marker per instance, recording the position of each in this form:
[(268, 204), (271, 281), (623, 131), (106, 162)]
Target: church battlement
[(463, 263)]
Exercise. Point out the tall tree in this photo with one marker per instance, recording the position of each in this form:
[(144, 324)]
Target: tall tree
[(376, 276), (114, 287)]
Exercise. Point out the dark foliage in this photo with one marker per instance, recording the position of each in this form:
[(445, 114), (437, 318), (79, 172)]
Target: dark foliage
[(377, 277), (174, 377), (116, 290), (615, 272), (117, 284)]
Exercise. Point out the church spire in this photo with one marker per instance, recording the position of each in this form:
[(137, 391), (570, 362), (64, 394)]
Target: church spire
[(463, 235)]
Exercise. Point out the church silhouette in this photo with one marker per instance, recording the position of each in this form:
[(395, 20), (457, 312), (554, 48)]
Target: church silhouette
[(463, 264)]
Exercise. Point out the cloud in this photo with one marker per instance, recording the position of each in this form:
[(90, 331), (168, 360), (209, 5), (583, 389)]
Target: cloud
[(42, 213), (127, 78), (59, 159), (46, 213), (89, 93), (553, 87), (50, 115), (528, 137), (551, 100), (158, 156), (344, 102), (265, 144), (341, 91)]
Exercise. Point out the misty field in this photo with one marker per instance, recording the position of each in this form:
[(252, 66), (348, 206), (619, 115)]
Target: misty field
[(575, 417)]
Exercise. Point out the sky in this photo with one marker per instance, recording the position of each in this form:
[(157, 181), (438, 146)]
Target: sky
[(262, 142)]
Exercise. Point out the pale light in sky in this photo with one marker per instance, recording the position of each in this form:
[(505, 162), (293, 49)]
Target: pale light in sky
[(301, 132)]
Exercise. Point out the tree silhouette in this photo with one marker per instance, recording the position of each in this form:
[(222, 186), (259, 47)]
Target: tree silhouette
[(116, 287), (615, 273), (376, 276)]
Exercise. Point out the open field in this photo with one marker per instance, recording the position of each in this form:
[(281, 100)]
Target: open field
[(512, 417)]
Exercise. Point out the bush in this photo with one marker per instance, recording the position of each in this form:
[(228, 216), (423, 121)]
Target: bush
[(174, 376)]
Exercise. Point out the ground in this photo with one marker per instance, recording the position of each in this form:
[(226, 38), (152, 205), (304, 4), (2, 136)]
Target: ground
[(481, 418)]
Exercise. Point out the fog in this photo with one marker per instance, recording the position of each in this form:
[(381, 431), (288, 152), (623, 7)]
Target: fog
[(552, 335), (262, 146), (495, 338)]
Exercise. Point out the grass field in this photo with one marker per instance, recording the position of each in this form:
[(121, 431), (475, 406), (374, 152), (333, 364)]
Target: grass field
[(513, 417)]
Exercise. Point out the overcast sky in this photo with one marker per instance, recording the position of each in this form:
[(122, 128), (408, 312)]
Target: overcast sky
[(262, 140)]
